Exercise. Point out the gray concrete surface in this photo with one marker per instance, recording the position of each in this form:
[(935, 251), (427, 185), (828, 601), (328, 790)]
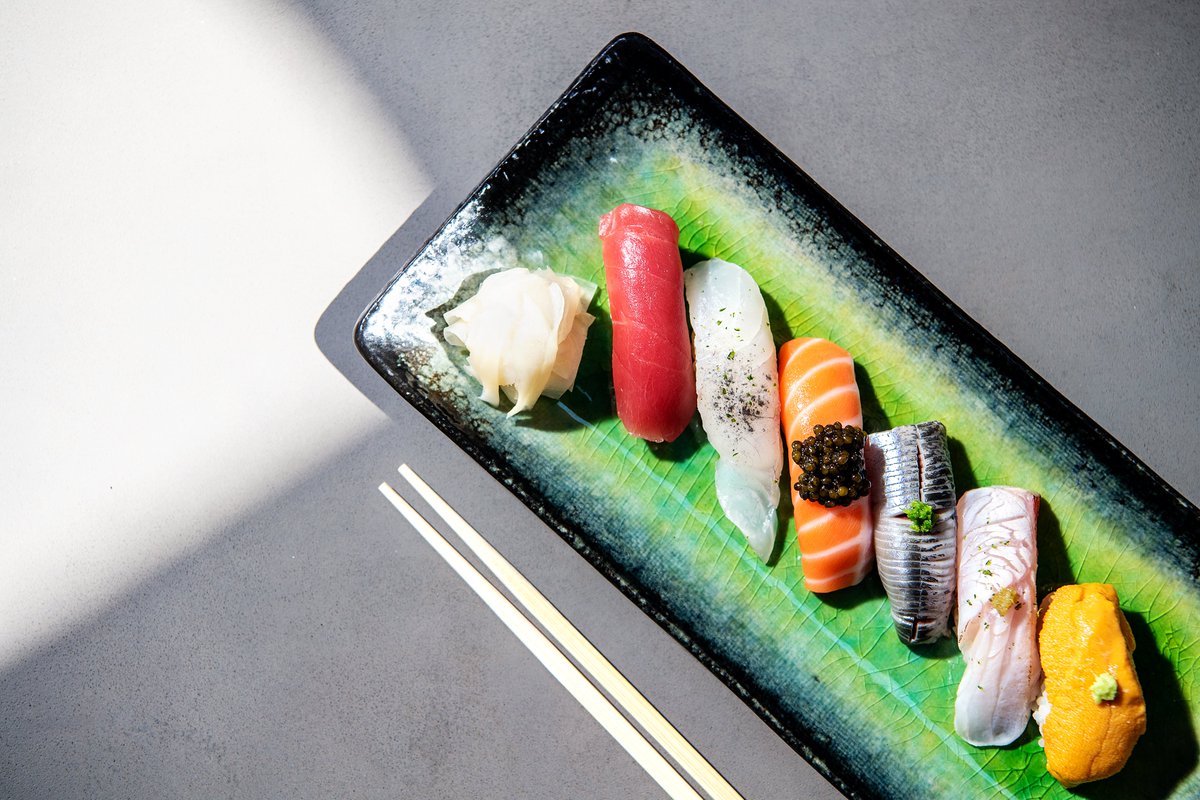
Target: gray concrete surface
[(1037, 161)]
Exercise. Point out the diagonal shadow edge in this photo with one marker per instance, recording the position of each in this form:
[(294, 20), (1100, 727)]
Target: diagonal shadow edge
[(334, 331)]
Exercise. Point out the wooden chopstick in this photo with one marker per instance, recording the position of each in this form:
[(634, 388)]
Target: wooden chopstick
[(558, 665), (578, 647)]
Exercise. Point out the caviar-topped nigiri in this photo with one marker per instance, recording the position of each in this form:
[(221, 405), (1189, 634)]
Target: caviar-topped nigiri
[(822, 419)]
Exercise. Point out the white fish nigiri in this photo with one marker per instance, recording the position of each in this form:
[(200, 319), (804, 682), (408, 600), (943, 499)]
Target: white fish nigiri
[(737, 392), (997, 614), (525, 332)]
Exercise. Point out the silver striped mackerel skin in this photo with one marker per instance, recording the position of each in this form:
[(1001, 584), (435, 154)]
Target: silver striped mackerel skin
[(908, 463)]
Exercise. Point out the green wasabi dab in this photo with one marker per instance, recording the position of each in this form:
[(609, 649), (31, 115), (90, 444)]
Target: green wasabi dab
[(1104, 688), (921, 516)]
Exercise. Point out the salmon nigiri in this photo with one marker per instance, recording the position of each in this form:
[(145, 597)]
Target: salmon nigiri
[(653, 376), (817, 387)]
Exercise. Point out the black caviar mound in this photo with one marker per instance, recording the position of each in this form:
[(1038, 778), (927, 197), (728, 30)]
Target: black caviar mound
[(834, 470)]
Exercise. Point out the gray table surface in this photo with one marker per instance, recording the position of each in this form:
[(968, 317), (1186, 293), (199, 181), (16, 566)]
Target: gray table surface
[(1038, 162)]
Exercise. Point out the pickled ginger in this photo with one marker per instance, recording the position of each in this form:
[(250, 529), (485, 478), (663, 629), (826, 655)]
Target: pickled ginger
[(524, 332)]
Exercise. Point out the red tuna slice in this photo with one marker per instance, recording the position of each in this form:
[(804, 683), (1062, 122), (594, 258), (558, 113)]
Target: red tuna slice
[(653, 375)]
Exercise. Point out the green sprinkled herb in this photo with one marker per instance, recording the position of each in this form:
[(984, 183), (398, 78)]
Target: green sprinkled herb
[(921, 516), (987, 572), (730, 356)]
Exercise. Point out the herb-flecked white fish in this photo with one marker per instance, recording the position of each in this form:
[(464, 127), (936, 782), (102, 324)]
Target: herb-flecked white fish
[(997, 614), (737, 392)]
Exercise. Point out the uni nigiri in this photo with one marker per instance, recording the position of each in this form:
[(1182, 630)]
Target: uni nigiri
[(737, 391), (817, 388), (912, 494), (997, 614), (653, 377), (1091, 710)]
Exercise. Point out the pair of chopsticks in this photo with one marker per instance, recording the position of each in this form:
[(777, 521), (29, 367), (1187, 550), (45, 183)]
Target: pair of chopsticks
[(569, 640)]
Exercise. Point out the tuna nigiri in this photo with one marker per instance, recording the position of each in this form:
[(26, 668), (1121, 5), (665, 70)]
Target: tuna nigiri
[(912, 493), (738, 395), (817, 387), (653, 377), (997, 614)]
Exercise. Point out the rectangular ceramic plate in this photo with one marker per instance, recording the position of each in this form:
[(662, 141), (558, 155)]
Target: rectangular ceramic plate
[(827, 672)]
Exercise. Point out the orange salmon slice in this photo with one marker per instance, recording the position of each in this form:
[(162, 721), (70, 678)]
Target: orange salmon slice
[(817, 387)]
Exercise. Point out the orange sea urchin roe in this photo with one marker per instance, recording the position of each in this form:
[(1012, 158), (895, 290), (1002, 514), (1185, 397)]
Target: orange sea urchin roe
[(1083, 634)]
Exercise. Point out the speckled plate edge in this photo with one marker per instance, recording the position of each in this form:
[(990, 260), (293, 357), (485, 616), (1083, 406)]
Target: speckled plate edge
[(634, 50)]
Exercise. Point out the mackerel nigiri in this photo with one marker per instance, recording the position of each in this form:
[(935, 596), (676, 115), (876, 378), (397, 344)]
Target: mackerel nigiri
[(912, 492), (997, 614), (737, 388), (653, 377), (817, 388)]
